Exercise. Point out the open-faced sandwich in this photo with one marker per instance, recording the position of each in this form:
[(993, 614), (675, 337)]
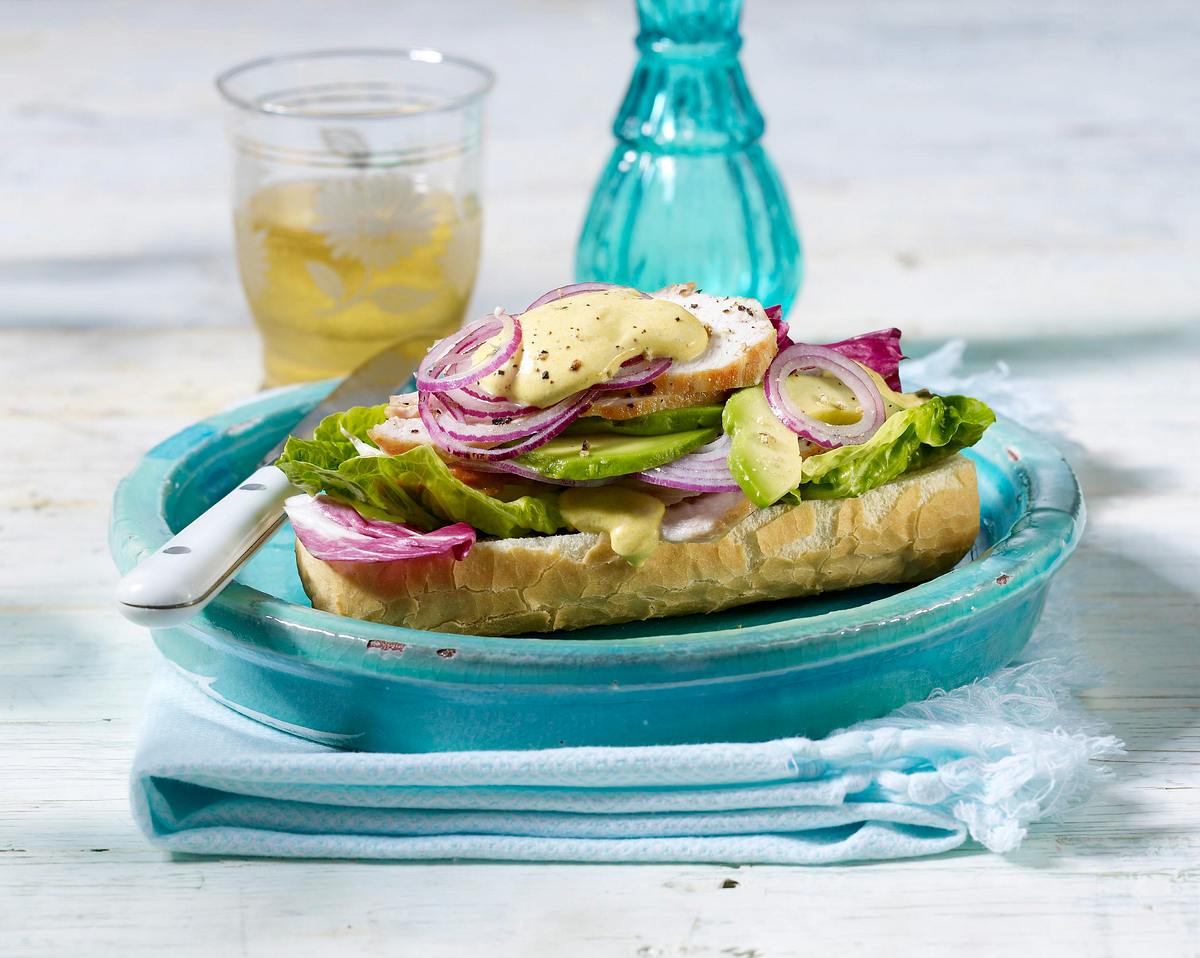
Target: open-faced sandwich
[(611, 455)]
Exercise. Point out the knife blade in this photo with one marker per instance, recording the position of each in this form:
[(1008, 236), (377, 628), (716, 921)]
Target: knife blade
[(372, 382), (181, 577)]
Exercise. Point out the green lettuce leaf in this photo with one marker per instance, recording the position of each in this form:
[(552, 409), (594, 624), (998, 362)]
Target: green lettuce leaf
[(356, 421), (909, 440), (415, 487)]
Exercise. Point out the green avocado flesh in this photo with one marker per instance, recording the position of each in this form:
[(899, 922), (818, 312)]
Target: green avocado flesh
[(764, 455), (652, 424), (603, 455)]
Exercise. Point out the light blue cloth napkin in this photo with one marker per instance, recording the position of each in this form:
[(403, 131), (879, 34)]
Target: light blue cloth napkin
[(982, 761)]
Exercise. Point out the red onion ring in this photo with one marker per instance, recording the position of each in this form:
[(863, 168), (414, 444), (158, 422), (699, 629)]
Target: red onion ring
[(432, 410), (477, 404), (705, 470), (639, 371), (479, 394), (803, 358), (448, 355), (502, 428), (457, 412), (575, 289)]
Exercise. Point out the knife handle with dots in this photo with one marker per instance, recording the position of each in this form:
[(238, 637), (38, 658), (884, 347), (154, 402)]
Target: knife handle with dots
[(174, 583)]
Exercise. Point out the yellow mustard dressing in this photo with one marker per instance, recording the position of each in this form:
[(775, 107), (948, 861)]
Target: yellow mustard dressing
[(830, 400), (573, 343), (632, 519)]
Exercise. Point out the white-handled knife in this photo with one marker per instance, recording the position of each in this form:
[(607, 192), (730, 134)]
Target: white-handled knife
[(172, 584)]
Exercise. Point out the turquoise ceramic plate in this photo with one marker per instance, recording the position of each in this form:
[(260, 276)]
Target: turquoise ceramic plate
[(800, 667)]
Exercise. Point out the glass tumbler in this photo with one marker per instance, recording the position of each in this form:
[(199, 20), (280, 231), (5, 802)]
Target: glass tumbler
[(356, 201)]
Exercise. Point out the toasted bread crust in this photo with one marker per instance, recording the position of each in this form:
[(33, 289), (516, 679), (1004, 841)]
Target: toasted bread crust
[(908, 530)]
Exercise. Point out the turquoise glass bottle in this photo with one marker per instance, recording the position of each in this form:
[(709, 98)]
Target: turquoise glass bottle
[(689, 193)]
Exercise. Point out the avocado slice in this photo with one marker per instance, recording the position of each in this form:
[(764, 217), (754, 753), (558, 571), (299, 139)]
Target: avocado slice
[(603, 455), (651, 424), (764, 455)]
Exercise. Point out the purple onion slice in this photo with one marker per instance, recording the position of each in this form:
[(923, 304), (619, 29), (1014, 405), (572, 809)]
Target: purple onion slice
[(433, 411), (449, 363), (705, 470), (805, 359), (575, 289), (637, 372), (502, 428), (478, 405)]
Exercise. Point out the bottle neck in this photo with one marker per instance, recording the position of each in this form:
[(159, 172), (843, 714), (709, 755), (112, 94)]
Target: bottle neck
[(688, 94), (689, 21)]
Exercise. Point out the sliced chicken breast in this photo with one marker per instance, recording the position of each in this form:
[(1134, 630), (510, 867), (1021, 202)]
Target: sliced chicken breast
[(741, 345)]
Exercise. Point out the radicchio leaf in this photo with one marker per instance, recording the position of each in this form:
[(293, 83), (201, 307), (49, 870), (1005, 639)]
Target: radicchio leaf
[(775, 315), (879, 351), (335, 532)]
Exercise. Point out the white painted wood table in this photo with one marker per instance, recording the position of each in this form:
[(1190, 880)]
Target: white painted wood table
[(1024, 177)]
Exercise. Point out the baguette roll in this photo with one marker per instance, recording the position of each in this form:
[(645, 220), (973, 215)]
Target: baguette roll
[(909, 530)]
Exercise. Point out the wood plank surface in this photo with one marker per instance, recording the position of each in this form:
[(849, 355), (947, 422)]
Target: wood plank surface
[(1021, 175)]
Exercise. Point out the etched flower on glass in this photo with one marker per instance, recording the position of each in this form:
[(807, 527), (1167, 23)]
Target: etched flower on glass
[(375, 218)]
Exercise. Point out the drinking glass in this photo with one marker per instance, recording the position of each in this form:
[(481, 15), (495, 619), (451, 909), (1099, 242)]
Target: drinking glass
[(356, 201)]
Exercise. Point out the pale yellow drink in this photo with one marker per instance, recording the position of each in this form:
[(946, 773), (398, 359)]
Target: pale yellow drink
[(336, 269)]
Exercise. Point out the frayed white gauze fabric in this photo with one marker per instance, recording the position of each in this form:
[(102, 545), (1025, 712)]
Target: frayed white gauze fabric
[(982, 761)]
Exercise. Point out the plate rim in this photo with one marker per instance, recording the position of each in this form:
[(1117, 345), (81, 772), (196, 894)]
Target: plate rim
[(1041, 539)]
